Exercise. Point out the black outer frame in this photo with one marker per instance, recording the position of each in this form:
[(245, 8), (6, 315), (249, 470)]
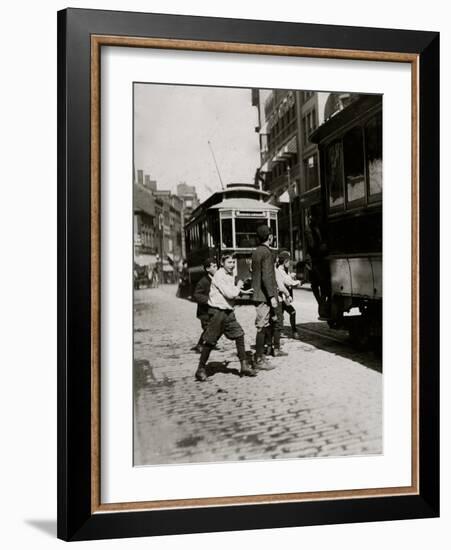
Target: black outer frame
[(75, 520)]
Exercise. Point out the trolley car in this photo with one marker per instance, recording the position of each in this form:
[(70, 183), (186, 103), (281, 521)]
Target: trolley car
[(227, 222), (350, 145)]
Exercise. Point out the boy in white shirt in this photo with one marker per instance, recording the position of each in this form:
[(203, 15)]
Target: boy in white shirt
[(223, 292)]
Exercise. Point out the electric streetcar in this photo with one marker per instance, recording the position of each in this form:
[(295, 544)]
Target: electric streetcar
[(350, 146), (227, 222)]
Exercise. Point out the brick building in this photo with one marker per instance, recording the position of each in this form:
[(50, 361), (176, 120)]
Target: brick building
[(157, 226)]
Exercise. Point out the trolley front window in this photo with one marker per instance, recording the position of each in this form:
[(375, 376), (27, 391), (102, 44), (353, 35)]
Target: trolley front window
[(246, 231)]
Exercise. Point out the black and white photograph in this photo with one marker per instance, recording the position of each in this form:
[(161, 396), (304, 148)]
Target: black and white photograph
[(257, 274), (226, 233)]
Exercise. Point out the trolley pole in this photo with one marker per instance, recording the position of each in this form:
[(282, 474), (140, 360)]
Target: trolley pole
[(216, 164), (290, 213)]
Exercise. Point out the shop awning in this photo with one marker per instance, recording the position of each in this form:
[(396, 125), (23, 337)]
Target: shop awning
[(145, 259)]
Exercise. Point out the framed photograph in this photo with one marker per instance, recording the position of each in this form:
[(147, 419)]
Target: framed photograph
[(248, 274)]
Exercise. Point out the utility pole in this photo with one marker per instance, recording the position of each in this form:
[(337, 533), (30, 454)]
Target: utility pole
[(290, 213)]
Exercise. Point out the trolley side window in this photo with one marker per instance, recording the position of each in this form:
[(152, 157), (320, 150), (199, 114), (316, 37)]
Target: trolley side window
[(373, 142), (335, 175), (214, 230), (273, 226), (227, 233), (354, 166), (188, 241)]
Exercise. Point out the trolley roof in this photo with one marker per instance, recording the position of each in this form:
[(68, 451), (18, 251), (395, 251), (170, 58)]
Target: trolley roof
[(235, 195), (348, 115)]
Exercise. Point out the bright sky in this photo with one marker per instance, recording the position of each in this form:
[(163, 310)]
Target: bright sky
[(173, 125)]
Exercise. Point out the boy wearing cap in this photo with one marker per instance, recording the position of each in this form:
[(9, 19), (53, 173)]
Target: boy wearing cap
[(283, 265), (222, 320), (274, 332), (265, 292), (201, 294)]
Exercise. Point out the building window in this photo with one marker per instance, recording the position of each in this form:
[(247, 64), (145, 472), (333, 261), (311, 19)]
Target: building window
[(354, 165), (311, 172), (309, 124)]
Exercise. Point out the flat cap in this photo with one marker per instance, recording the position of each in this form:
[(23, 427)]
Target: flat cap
[(262, 233)]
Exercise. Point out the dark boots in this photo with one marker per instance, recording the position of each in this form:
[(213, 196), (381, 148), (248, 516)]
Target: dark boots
[(293, 326), (262, 363), (201, 374), (246, 369)]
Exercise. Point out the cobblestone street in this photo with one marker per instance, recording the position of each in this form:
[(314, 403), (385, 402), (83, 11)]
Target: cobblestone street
[(324, 399)]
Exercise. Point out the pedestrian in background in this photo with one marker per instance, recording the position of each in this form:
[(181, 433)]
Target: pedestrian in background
[(183, 290), (289, 282), (265, 292), (317, 262), (201, 295), (222, 320)]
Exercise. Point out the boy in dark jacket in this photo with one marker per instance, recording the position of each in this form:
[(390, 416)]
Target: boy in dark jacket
[(200, 296), (265, 292)]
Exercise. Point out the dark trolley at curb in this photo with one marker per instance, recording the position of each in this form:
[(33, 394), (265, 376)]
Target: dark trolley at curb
[(350, 264)]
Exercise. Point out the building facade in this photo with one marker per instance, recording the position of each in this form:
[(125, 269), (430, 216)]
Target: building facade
[(145, 231), (289, 161), (289, 167), (171, 216), (158, 227), (190, 201)]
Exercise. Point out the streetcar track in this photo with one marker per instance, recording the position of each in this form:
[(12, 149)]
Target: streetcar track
[(322, 335)]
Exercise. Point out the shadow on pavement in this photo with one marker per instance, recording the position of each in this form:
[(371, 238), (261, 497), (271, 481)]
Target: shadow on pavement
[(216, 367), (319, 335)]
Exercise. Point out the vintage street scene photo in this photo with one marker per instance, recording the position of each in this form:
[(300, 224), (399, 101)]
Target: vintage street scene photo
[(257, 274)]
